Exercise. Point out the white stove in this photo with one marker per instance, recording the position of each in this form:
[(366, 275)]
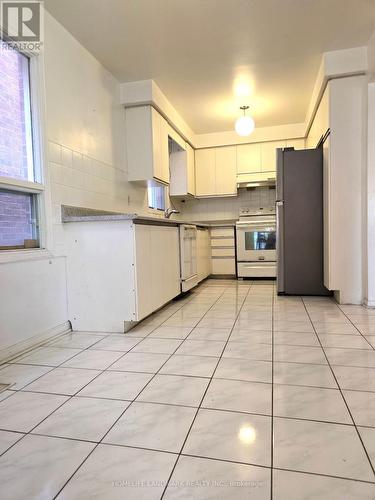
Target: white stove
[(256, 243)]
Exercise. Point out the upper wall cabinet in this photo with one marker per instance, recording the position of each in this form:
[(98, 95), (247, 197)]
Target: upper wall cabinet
[(259, 157), (268, 155), (205, 182), (190, 169), (296, 143), (181, 167), (248, 158), (215, 171), (225, 171), (146, 144)]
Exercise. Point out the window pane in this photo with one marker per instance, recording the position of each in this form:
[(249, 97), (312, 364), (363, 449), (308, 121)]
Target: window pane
[(18, 220), (16, 156), (156, 195)]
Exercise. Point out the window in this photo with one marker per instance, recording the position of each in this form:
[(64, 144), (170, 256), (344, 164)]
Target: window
[(19, 181), (156, 195), (18, 220)]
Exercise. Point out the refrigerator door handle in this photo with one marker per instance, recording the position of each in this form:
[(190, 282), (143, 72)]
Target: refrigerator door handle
[(280, 246)]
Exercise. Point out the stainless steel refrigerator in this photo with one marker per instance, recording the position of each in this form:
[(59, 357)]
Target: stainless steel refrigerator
[(299, 216)]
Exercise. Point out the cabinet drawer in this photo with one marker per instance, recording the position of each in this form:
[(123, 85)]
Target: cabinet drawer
[(227, 232), (223, 252), (222, 242), (224, 266)]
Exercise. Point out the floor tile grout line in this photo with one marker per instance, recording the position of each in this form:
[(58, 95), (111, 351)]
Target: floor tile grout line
[(123, 353), (225, 461), (194, 376), (279, 468), (143, 338), (111, 427), (272, 389), (69, 396), (227, 410), (342, 395), (204, 394), (359, 331)]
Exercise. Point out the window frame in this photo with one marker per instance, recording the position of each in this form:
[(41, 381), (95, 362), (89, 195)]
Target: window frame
[(156, 184), (40, 186)]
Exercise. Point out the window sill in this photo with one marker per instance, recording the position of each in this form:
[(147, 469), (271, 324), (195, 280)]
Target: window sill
[(24, 254)]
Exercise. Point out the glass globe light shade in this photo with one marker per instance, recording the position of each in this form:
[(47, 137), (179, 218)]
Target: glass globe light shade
[(244, 125)]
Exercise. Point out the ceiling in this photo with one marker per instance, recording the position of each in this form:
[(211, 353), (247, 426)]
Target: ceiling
[(211, 56)]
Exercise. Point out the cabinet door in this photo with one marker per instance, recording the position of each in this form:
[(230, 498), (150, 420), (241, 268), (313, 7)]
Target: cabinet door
[(225, 170), (295, 143), (268, 155), (143, 271), (156, 145), (190, 170), (160, 147), (165, 274), (164, 150), (248, 158), (205, 184)]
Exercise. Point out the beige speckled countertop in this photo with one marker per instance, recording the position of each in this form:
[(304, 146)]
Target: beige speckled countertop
[(80, 214)]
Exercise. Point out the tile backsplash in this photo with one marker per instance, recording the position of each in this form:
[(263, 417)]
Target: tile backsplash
[(226, 208)]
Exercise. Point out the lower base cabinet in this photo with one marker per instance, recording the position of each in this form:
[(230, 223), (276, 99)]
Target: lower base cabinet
[(157, 267), (223, 251), (203, 253), (119, 272)]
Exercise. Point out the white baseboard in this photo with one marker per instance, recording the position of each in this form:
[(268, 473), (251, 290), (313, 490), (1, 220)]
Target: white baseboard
[(26, 345), (369, 303)]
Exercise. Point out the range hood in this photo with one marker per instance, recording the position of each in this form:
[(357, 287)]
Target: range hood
[(254, 184)]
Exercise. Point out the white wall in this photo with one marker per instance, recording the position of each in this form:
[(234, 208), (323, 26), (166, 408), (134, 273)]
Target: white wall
[(86, 167), (33, 303), (369, 218), (86, 132), (343, 110), (369, 184)]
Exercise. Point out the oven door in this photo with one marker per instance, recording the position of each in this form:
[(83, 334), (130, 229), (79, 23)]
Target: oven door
[(256, 240)]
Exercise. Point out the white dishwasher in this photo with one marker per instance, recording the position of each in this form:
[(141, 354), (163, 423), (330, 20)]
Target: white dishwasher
[(188, 256)]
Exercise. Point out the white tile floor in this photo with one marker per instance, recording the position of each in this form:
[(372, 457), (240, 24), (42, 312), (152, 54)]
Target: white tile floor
[(229, 393)]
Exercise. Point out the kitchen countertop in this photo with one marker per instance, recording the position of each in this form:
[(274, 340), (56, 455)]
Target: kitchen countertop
[(80, 214)]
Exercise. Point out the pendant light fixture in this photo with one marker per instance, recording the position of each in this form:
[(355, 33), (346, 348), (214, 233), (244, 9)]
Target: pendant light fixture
[(244, 124)]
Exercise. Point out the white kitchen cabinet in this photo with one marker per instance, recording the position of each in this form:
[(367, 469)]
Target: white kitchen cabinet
[(176, 137), (248, 158), (157, 269), (205, 183), (203, 253), (295, 143), (182, 170), (225, 171), (223, 260), (268, 155), (146, 144), (119, 272), (190, 169), (215, 172)]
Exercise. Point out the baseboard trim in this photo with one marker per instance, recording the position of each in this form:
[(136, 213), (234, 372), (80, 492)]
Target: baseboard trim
[(221, 276), (26, 345), (369, 303)]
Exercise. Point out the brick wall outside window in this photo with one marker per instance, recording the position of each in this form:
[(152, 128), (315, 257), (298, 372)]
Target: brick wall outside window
[(15, 218), (13, 153), (15, 208)]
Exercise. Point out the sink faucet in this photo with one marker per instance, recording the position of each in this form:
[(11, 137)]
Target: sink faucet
[(169, 211)]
